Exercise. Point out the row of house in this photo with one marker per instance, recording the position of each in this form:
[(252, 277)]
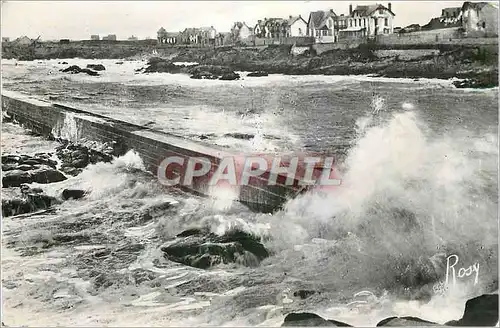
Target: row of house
[(324, 26)]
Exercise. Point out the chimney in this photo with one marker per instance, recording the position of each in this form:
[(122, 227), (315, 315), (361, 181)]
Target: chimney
[(390, 6), (350, 9)]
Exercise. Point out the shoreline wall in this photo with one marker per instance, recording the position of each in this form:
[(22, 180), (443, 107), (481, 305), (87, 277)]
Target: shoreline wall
[(152, 146)]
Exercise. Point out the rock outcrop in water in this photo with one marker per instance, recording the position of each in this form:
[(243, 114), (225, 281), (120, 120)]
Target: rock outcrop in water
[(30, 200), (75, 157), (306, 319), (96, 67), (202, 249), (481, 311), (75, 69), (17, 170)]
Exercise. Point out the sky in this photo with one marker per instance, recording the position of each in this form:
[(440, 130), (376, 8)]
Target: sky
[(77, 20)]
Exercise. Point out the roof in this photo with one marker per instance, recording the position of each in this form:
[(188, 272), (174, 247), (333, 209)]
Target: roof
[(476, 5), (319, 18), (368, 10), (191, 30)]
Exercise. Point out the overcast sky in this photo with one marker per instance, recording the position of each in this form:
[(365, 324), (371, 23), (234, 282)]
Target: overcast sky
[(80, 19)]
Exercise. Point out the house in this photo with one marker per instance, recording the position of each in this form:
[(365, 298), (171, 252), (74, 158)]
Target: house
[(370, 21), (132, 38), (161, 35), (64, 41), (109, 37), (95, 37), (171, 37), (296, 26), (191, 35), (453, 12), (480, 19), (241, 32), (223, 38), (321, 26), (24, 40), (260, 29), (275, 27), (208, 35)]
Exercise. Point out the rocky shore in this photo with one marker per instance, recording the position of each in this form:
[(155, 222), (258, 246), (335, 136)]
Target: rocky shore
[(473, 67)]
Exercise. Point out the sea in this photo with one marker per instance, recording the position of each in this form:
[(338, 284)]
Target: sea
[(417, 148)]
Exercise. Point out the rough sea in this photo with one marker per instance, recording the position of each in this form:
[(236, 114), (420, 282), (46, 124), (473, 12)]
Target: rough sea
[(418, 148)]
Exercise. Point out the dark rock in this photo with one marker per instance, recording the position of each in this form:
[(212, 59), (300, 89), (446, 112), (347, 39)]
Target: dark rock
[(73, 194), (404, 322), (75, 69), (204, 76), (96, 67), (10, 159), (47, 175), (64, 63), (303, 294), (306, 319), (30, 202), (230, 76), (242, 136), (257, 74), (197, 248), (119, 63), (480, 311), (14, 178)]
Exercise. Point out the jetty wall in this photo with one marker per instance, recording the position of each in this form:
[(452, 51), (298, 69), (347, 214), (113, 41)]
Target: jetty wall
[(153, 146)]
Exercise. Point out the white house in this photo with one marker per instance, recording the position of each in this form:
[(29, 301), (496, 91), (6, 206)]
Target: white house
[(321, 26), (297, 26), (480, 18), (370, 20)]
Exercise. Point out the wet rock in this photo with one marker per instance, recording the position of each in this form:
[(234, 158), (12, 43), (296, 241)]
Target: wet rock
[(479, 311), (14, 178), (258, 74), (306, 319), (47, 175), (303, 294), (25, 167), (73, 171), (199, 249), (230, 76), (96, 67), (242, 136), (73, 194), (10, 159), (405, 322), (119, 63)]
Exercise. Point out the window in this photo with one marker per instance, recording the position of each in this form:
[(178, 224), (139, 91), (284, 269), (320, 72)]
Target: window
[(381, 11), (350, 23), (317, 32), (325, 32), (359, 21), (387, 22), (330, 23), (355, 22), (300, 31), (484, 24)]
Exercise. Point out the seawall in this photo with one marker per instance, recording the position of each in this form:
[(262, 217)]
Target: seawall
[(153, 146)]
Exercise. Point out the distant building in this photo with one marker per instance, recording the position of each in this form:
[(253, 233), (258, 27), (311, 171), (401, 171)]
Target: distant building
[(132, 38), (95, 37), (191, 35), (453, 12), (24, 40), (64, 41), (172, 37), (5, 39), (241, 32), (480, 18), (109, 37), (321, 26), (161, 35), (371, 20)]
